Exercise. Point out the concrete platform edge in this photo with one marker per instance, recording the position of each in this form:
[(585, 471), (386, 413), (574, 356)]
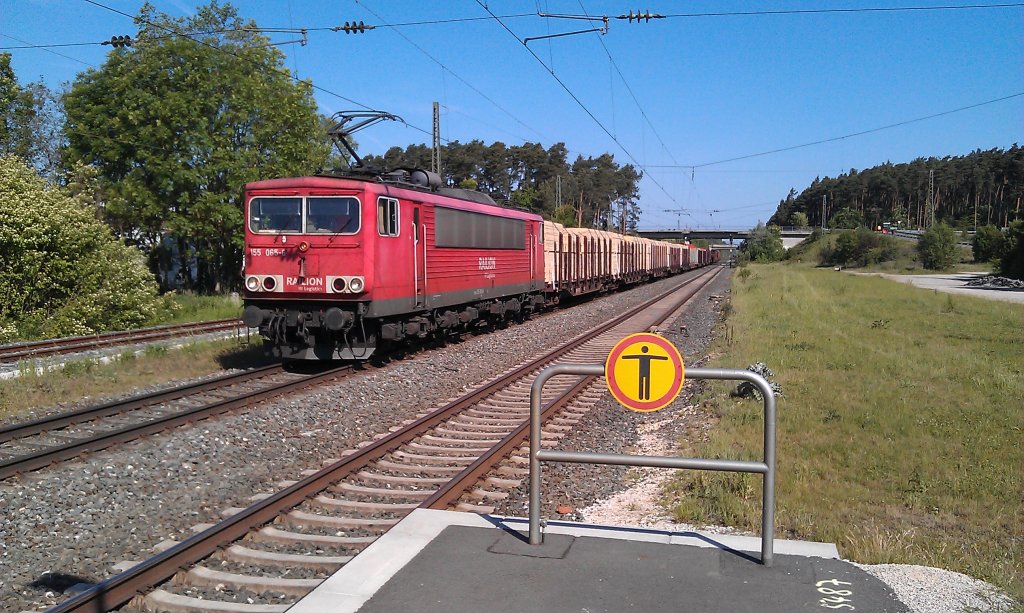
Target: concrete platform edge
[(356, 582)]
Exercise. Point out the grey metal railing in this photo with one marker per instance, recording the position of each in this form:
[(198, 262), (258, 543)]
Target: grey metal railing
[(765, 468)]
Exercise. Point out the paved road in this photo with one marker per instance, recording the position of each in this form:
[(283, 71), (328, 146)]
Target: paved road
[(956, 283)]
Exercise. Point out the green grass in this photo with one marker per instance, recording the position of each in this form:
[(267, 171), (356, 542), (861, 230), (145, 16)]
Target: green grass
[(900, 433), (156, 365), (184, 308), (905, 263)]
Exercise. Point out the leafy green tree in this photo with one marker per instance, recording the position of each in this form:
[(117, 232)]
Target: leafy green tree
[(1011, 264), (846, 219), (525, 198), (938, 248), (764, 244), (177, 127), (798, 219), (860, 247), (31, 121), (61, 271), (9, 104), (982, 187), (596, 189), (988, 244), (565, 215)]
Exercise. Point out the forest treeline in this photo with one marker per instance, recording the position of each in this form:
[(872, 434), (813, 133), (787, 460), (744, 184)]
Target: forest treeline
[(590, 191), (160, 140), (978, 189)]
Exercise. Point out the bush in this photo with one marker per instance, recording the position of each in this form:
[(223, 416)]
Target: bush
[(61, 271), (860, 247), (938, 248), (1011, 264), (988, 244), (798, 219), (764, 244), (846, 218)]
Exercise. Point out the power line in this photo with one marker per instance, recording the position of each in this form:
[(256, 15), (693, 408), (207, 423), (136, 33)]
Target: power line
[(43, 47), (675, 168), (54, 46), (877, 9), (630, 90), (428, 23), (254, 63), (672, 15), (452, 72), (729, 209), (574, 97), (851, 135)]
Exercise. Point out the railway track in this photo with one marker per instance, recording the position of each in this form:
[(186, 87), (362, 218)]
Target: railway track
[(461, 456), (39, 349), (36, 444)]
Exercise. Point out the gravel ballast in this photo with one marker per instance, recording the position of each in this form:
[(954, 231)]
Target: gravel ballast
[(71, 523), (614, 495)]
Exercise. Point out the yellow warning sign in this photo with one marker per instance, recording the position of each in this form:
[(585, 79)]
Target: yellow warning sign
[(644, 372)]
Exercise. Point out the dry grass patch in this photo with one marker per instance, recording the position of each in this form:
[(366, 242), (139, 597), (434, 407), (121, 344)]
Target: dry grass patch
[(85, 379), (900, 433)]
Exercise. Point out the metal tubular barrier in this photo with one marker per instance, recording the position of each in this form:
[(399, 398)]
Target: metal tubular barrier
[(765, 468)]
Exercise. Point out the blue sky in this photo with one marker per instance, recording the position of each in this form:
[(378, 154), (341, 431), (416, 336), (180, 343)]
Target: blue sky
[(712, 88)]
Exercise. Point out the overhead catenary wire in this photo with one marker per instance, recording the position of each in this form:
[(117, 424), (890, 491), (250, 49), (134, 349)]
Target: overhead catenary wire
[(452, 72), (45, 48), (190, 35), (864, 9), (767, 12), (575, 98), (851, 135), (235, 55), (629, 89)]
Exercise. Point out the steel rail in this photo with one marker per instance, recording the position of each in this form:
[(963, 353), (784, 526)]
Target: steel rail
[(48, 456), (121, 588), (449, 493), (61, 420), (38, 349)]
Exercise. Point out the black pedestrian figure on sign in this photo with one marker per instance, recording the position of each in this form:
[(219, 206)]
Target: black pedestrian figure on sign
[(644, 382)]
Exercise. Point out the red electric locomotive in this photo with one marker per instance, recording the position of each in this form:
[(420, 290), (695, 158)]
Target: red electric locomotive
[(335, 266)]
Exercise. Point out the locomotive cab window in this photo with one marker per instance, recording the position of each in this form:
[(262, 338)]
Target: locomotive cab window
[(332, 215), (387, 217), (275, 214)]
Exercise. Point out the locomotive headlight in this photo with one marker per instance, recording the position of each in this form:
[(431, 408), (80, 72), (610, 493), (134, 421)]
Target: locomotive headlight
[(339, 284), (269, 283), (356, 284), (252, 284), (303, 246)]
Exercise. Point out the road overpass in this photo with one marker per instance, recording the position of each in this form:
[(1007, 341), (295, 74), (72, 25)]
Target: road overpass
[(720, 234)]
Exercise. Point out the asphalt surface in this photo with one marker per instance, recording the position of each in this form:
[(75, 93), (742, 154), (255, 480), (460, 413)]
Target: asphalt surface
[(439, 561), (956, 283)]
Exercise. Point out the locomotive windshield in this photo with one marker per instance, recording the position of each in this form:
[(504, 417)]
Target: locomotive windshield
[(313, 215), (332, 215), (275, 215)]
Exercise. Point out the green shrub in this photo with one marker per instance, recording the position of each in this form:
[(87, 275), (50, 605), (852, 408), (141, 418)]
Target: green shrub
[(61, 270), (860, 247), (938, 248), (763, 245), (1011, 264), (846, 218), (988, 244), (798, 219)]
